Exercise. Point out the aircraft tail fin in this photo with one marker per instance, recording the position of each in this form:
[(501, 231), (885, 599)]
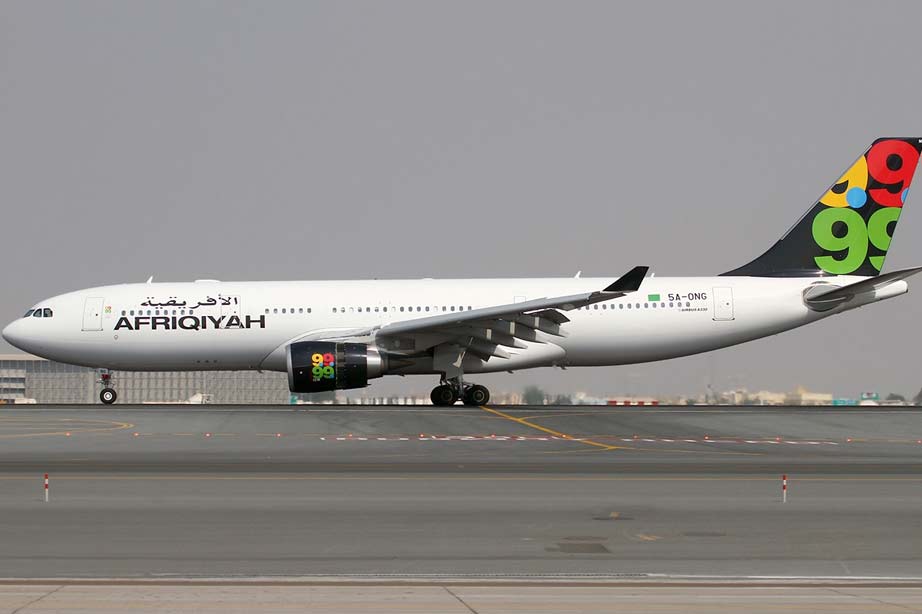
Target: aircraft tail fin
[(849, 229)]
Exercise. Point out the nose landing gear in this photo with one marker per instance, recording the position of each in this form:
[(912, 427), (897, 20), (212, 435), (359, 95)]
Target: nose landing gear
[(450, 391), (108, 394)]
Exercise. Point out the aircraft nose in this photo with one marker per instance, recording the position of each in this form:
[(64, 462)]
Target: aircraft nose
[(13, 334)]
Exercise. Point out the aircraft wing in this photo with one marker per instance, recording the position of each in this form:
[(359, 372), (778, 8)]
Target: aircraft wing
[(483, 331)]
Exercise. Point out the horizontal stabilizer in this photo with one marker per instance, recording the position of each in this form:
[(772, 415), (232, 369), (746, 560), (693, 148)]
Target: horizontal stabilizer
[(819, 297)]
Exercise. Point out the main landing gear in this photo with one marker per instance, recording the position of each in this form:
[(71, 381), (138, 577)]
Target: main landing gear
[(450, 391), (108, 394)]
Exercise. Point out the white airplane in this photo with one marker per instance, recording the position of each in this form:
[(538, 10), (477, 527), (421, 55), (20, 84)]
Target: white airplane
[(340, 334)]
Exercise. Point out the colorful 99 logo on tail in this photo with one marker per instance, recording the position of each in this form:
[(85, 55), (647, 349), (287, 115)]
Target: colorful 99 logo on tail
[(855, 220)]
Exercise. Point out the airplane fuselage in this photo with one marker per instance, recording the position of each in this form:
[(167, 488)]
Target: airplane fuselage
[(210, 325)]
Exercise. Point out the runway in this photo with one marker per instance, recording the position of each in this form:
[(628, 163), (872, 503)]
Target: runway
[(411, 439), (478, 494)]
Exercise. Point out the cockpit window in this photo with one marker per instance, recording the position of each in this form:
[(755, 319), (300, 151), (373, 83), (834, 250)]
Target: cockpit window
[(46, 312), (37, 313), (28, 313)]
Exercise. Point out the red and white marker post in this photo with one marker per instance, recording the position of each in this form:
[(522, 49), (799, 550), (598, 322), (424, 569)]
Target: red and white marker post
[(784, 488), (46, 488)]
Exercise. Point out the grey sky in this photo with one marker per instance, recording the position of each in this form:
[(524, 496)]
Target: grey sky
[(274, 140)]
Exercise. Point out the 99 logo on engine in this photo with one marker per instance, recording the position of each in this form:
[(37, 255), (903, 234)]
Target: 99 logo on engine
[(323, 366)]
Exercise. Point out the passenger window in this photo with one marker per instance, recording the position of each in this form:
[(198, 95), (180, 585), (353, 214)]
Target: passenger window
[(276, 310), (300, 309), (334, 310), (283, 310), (427, 307), (418, 308), (267, 310), (452, 307), (131, 313), (308, 310), (620, 305), (376, 310), (37, 314), (628, 305), (443, 308), (654, 305), (401, 310)]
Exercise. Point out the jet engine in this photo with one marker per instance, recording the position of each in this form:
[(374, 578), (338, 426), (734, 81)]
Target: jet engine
[(317, 366)]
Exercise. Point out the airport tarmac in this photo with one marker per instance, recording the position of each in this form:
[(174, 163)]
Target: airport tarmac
[(569, 494), (468, 598)]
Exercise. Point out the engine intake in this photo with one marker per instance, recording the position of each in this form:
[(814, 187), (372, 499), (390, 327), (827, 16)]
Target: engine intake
[(318, 366)]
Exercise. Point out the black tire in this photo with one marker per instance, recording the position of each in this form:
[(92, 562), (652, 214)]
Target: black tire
[(108, 396), (476, 395), (443, 396)]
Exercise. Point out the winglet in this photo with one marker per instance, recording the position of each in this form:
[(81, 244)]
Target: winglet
[(630, 281)]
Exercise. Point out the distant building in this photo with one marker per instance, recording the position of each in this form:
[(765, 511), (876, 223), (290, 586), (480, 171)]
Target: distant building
[(767, 397), (802, 396), (25, 378)]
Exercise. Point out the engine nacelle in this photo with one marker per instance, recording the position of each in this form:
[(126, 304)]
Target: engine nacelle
[(317, 366)]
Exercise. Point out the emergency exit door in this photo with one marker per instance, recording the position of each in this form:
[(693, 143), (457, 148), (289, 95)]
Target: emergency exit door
[(723, 304), (92, 313)]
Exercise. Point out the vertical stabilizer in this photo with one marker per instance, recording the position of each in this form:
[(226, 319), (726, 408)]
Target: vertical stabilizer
[(849, 229)]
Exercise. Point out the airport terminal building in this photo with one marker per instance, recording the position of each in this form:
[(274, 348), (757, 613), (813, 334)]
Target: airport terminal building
[(29, 379)]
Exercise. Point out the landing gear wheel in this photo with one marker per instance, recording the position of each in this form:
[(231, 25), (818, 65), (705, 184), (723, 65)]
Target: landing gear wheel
[(108, 396), (443, 396), (476, 395)]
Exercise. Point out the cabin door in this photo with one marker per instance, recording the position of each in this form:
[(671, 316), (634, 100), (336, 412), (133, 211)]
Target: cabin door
[(92, 313), (723, 304)]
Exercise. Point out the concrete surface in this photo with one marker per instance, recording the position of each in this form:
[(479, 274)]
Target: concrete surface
[(447, 599), (566, 493)]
